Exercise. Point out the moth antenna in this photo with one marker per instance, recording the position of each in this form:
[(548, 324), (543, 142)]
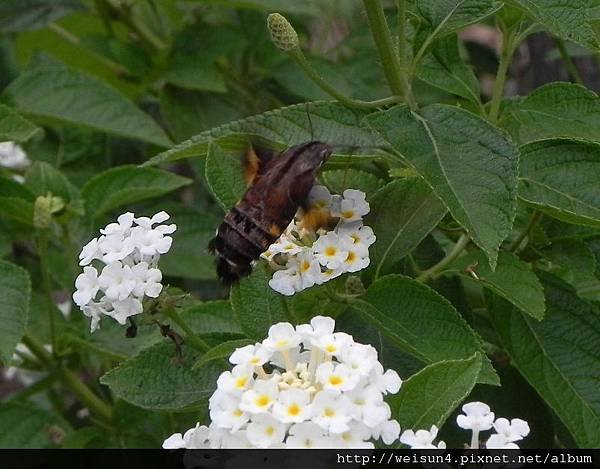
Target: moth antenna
[(310, 124)]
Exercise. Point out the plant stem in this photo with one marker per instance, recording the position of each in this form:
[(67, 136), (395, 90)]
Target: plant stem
[(301, 60), (387, 53), (193, 339), (116, 68), (508, 48), (430, 273), (83, 393), (150, 40), (570, 66), (402, 55), (536, 216), (46, 284)]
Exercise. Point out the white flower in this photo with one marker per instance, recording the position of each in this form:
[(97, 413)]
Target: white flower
[(115, 247), (122, 309), (194, 438), (329, 250), (388, 431), (148, 223), (250, 355), (308, 435), (94, 311), (331, 412), (238, 380), (422, 439), (87, 286), (147, 280), (388, 382), (308, 269), (12, 156), (287, 282), (265, 431), (260, 398), (122, 227), (361, 358), (285, 245), (355, 437), (319, 326), (508, 433), (357, 232), (117, 281), (91, 251), (336, 378), (498, 441), (150, 242), (225, 411), (352, 207), (332, 344), (358, 255), (282, 336), (477, 417), (319, 197), (292, 406), (368, 406)]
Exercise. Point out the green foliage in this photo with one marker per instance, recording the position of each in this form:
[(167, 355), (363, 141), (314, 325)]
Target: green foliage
[(484, 279)]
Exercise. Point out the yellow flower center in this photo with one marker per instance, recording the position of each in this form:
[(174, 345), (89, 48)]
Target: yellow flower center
[(330, 251), (281, 343), (304, 266), (255, 360), (348, 213), (355, 238), (351, 257), (335, 380), (237, 413), (329, 412), (269, 430), (330, 348), (262, 400), (294, 409), (241, 382)]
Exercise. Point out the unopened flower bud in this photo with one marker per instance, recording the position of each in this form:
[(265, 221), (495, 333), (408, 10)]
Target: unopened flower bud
[(44, 207), (282, 32)]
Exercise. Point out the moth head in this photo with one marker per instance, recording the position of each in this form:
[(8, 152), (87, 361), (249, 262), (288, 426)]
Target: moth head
[(309, 157)]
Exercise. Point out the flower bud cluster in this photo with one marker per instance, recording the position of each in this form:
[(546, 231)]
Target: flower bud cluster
[(127, 255), (322, 242), (302, 387)]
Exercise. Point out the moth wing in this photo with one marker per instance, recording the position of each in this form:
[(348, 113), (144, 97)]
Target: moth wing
[(255, 162)]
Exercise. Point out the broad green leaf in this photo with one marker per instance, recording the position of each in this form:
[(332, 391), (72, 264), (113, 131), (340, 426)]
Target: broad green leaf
[(256, 306), (42, 178), (561, 177), (402, 214), (559, 356), (221, 351), (13, 127), (555, 110), (429, 397), (573, 255), (15, 290), (513, 279), (59, 93), (189, 256), (446, 16), (26, 15), (444, 68), (124, 185), (329, 122), (22, 425), (421, 322), (469, 164), (225, 175), (212, 317), (338, 180), (17, 209), (569, 20), (12, 188), (155, 379)]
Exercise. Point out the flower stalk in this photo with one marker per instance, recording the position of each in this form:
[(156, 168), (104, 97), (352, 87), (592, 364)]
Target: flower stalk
[(432, 272), (192, 338)]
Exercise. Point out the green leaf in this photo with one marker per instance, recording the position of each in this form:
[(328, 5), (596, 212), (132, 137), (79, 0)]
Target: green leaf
[(221, 351), (513, 279), (42, 178), (212, 317), (17, 209), (291, 125), (26, 15), (421, 322), (555, 110), (444, 68), (12, 188), (189, 255), (13, 127), (26, 426), (561, 177), (338, 180), (469, 164), (154, 379), (445, 384), (403, 213), (559, 356), (575, 257), (224, 175), (59, 93), (446, 16), (127, 184), (256, 306), (15, 290), (569, 20)]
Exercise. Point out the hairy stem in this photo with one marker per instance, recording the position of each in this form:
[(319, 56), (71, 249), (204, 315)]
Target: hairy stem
[(46, 284), (569, 64), (192, 338), (536, 216), (508, 48), (431, 273)]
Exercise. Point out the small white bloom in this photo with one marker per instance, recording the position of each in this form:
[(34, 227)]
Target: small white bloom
[(285, 245), (225, 411), (117, 281), (260, 398), (336, 378), (308, 435), (147, 280), (477, 417), (422, 439), (282, 336), (235, 440), (361, 358), (12, 156), (150, 242), (352, 207), (250, 355), (122, 226), (368, 406), (194, 438), (358, 255), (148, 223), (287, 282), (388, 382), (357, 232), (122, 309), (355, 437), (309, 269), (265, 431), (91, 251), (332, 344), (115, 248), (292, 406), (319, 197), (498, 441), (236, 381), (388, 431), (514, 430), (87, 286), (94, 311), (319, 326), (329, 250), (331, 412)]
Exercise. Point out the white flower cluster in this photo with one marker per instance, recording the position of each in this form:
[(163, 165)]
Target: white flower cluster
[(477, 417), (323, 391), (130, 250), (303, 257), (12, 156)]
